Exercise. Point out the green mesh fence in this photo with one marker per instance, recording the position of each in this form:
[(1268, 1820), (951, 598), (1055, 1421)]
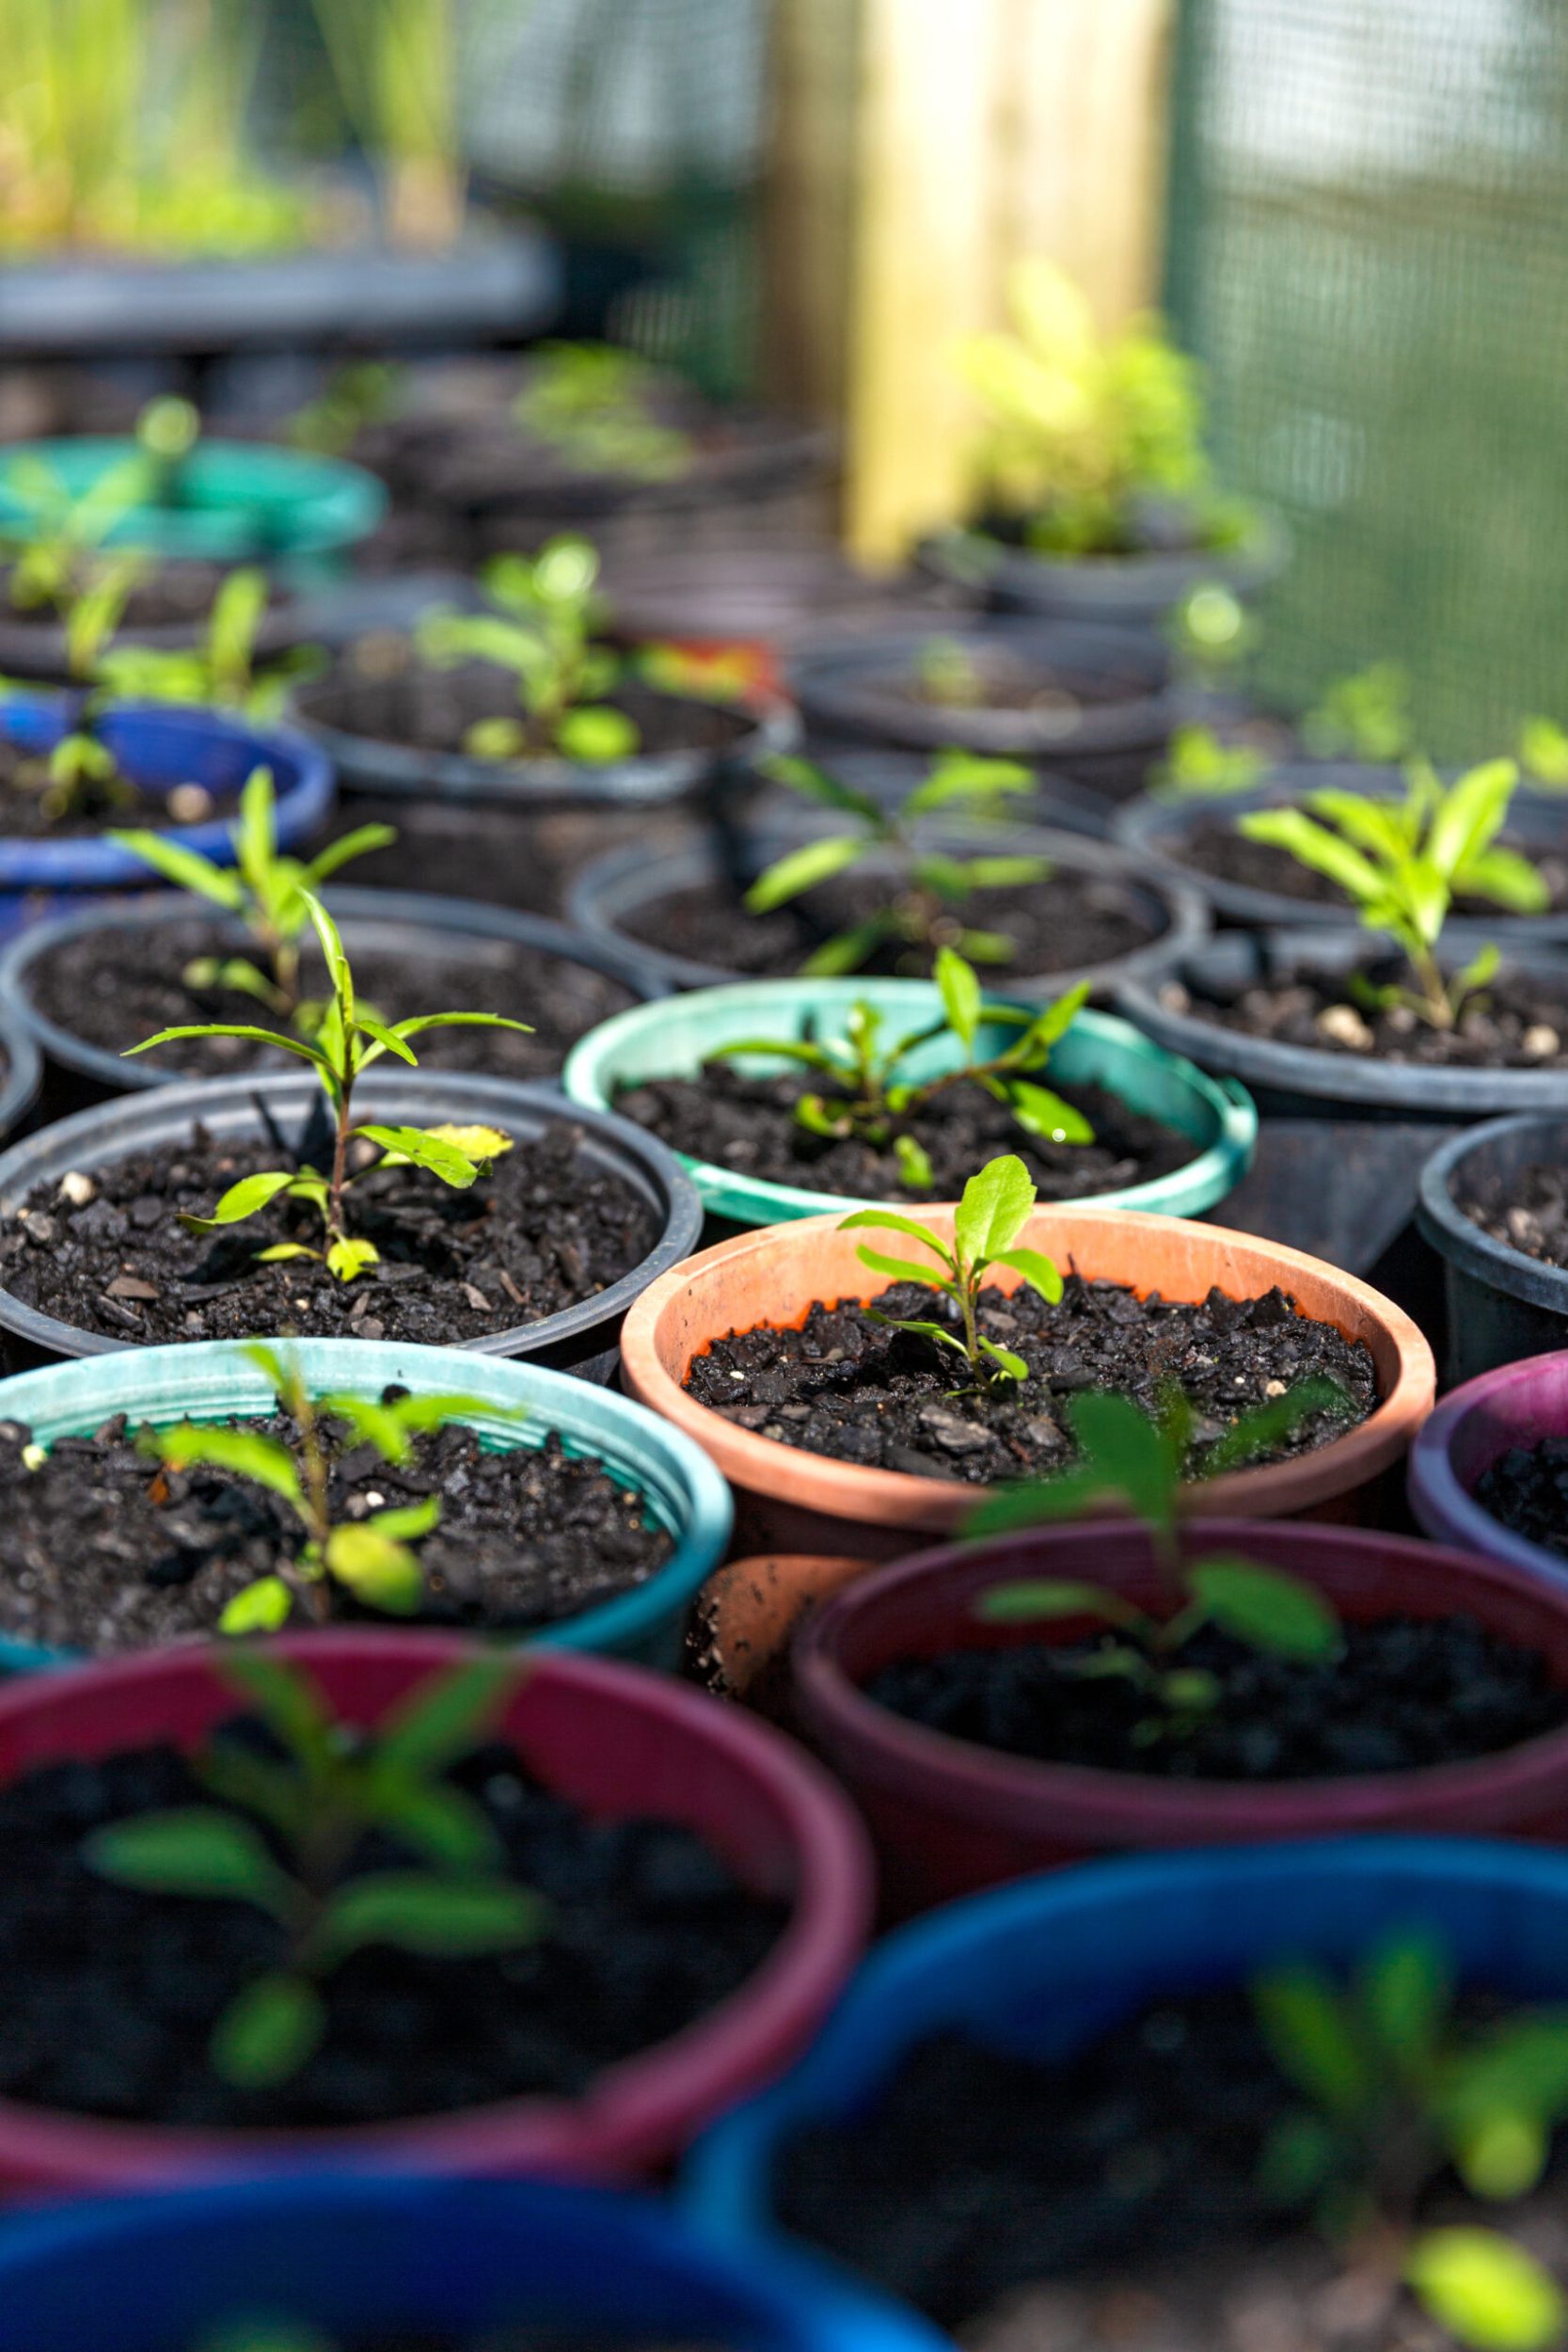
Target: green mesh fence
[(1369, 246)]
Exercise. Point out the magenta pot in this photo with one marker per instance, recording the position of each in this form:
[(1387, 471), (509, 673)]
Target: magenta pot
[(614, 1738), (1517, 1404), (948, 1817)]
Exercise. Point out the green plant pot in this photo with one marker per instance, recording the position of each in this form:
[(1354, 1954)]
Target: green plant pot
[(673, 1037), (235, 501), (214, 1380)]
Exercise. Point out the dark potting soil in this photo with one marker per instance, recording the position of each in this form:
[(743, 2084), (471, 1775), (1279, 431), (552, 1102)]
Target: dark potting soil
[(1121, 2185), (746, 1121), (24, 777), (1405, 1693), (102, 1548), (1215, 849), (543, 1229), (114, 986), (1007, 682), (1531, 1216), (845, 1386), (112, 1994), (381, 692), (497, 852), (1517, 1022), (1526, 1489), (1063, 924)]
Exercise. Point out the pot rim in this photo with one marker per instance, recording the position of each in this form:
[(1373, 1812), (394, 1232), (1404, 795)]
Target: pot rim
[(1466, 1245), (1442, 1503)]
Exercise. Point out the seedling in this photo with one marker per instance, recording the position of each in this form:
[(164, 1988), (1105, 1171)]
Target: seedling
[(332, 1787), (364, 392), (350, 1038), (1402, 863), (925, 901), (1365, 715), (60, 560), (542, 634), (1397, 2088), (871, 1104), (373, 1558), (1123, 1454), (1544, 753), (221, 673), (268, 891), (992, 1213), (594, 403), (1080, 426), (1197, 766)]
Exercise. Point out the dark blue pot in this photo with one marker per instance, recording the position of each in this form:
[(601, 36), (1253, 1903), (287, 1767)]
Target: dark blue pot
[(158, 745), (361, 2257)]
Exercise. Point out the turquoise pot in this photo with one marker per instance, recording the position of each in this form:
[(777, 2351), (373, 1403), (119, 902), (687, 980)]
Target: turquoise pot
[(237, 502), (673, 1037), (214, 1380)]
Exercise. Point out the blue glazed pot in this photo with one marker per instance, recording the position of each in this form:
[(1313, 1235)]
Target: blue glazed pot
[(159, 745), (1044, 1966), (214, 1380), (355, 2257)]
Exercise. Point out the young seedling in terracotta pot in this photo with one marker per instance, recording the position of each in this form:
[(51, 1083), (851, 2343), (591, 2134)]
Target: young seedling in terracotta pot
[(283, 1829), (268, 891), (870, 1102), (926, 895), (222, 672), (1400, 865), (594, 403), (349, 1040), (541, 633)]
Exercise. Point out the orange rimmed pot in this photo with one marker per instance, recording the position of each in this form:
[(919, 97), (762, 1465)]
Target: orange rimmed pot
[(789, 1502)]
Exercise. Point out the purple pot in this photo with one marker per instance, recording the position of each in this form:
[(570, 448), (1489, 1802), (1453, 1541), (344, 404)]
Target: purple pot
[(1516, 1405)]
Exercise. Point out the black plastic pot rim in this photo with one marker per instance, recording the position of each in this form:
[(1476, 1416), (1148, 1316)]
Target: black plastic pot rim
[(1251, 560), (96, 1137), (1463, 1243), (405, 910), (24, 1071), (1359, 1085)]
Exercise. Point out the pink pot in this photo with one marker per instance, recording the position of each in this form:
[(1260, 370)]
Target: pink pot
[(614, 1738), (948, 1817)]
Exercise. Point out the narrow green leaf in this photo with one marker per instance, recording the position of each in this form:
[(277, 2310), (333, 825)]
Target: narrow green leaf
[(1039, 1598), (360, 843), (264, 1607), (378, 1570), (186, 868), (406, 1522), (386, 1039), (906, 1270), (442, 1916), (447, 1715), (959, 989), (1302, 2021), (232, 1028), (1266, 1609), (1039, 1112), (267, 2032), (242, 1200), (1038, 1270), (191, 1849), (804, 869), (262, 1459), (423, 1150)]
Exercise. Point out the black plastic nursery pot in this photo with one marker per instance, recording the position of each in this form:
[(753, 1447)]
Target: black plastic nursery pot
[(1156, 832), (417, 928), (1136, 588), (581, 1339), (1098, 704), (1502, 1303), (1342, 1138), (761, 806), (20, 1072), (608, 899)]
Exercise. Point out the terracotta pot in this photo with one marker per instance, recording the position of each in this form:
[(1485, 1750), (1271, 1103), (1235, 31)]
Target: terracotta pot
[(949, 1816), (746, 1613), (792, 1501)]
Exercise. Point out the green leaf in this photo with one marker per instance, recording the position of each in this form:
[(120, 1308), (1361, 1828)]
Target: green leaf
[(275, 1255), (967, 778), (1004, 1359), (191, 1849), (1032, 1600), (433, 1820), (1035, 1502), (261, 1608), (267, 2032), (961, 995), (815, 784), (1470, 814), (1042, 1113), (997, 873), (1486, 2290), (186, 868), (1266, 1609), (386, 1039), (421, 1021), (242, 1200), (890, 1220), (417, 1912), (337, 968), (784, 1049), (906, 1270), (915, 1165), (1128, 1454), (1049, 1027), (1304, 2023), (418, 1146), (847, 950), (994, 1209), (232, 1028), (286, 1697), (360, 843), (1405, 1988), (347, 1259), (1314, 845), (802, 869), (596, 734), (1501, 2154), (1507, 879), (406, 1522), (447, 1715), (1038, 1270), (377, 1569), (263, 1459), (1262, 1427), (256, 837), (921, 1329)]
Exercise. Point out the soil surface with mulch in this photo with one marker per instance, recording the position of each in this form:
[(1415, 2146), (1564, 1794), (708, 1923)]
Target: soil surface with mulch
[(1516, 1022), (543, 1229), (25, 779), (114, 986), (1065, 923), (845, 1385), (1527, 1490), (1112, 2200), (1404, 1693), (1531, 1215), (104, 1548), (381, 691), (111, 1994), (1214, 850), (746, 1121)]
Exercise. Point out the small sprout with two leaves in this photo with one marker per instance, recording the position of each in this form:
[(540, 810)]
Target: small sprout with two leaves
[(1197, 766), (222, 672), (1366, 716), (994, 1210), (592, 403), (347, 1041), (1124, 1454), (268, 891), (331, 1787), (1402, 863), (926, 897), (373, 1558), (542, 634), (872, 1104), (1396, 2091)]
